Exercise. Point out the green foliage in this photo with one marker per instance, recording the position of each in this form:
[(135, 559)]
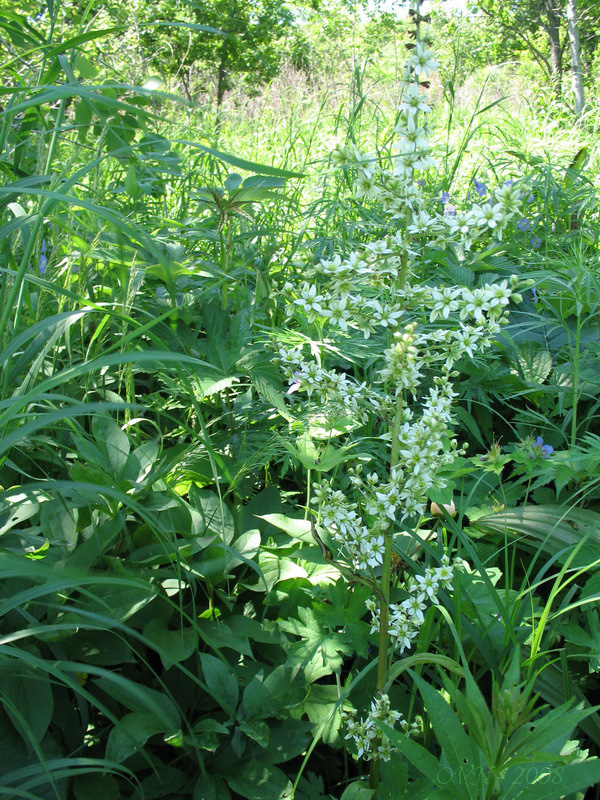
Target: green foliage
[(171, 623)]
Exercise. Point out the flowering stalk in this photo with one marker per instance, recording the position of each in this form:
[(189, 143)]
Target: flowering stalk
[(429, 328)]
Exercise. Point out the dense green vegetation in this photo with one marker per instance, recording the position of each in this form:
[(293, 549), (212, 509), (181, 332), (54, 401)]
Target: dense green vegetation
[(299, 401)]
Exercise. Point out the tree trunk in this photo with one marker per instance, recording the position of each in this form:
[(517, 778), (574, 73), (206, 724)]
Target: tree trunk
[(222, 84), (576, 68), (553, 31)]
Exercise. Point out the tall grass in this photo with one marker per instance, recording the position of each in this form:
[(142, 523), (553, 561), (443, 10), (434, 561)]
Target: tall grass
[(146, 600)]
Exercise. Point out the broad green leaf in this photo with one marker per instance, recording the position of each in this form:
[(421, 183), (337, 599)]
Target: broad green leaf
[(216, 515), (296, 528), (422, 759), (533, 363), (222, 685), (319, 707), (174, 645), (459, 749), (357, 790), (256, 780), (211, 787), (275, 569), (247, 545), (142, 699), (96, 787), (564, 781), (131, 734), (289, 738), (164, 782), (256, 730), (553, 528), (28, 701), (217, 634)]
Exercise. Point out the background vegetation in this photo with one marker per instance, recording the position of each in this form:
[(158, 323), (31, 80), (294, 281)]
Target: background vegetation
[(169, 625)]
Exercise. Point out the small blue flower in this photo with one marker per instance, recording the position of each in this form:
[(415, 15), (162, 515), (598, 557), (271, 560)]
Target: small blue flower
[(480, 188), (509, 183), (524, 224), (534, 294), (536, 242), (546, 449), (43, 263), (43, 247), (530, 199), (445, 198), (421, 181)]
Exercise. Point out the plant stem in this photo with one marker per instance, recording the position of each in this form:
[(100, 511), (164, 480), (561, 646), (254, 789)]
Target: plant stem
[(575, 378)]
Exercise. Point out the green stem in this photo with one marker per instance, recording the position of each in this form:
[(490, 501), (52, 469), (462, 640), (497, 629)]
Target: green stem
[(15, 294), (576, 357), (386, 570)]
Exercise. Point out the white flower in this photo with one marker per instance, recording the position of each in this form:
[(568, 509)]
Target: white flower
[(413, 136), (422, 61), (475, 303), (428, 585), (498, 295), (385, 315), (467, 339), (460, 224), (309, 300), (366, 733), (444, 301), (423, 223), (413, 100), (489, 216), (509, 198), (337, 313)]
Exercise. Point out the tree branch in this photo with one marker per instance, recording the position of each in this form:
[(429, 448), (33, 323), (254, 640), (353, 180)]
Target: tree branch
[(539, 56)]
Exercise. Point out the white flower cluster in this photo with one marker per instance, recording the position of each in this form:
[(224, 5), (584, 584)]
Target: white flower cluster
[(423, 449), (401, 195), (406, 618), (336, 307), (362, 544), (336, 392), (369, 740), (409, 382)]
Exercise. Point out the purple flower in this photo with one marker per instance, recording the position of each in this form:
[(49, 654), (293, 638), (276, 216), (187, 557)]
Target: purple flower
[(530, 199), (553, 227), (43, 247), (445, 198), (509, 183), (536, 242), (534, 294), (524, 224), (541, 449), (480, 188), (43, 263), (449, 210), (421, 181)]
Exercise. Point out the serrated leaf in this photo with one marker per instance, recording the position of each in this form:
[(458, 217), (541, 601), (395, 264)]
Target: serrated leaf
[(534, 363)]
